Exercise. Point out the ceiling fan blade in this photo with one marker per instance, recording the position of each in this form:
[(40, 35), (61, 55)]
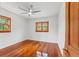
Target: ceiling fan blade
[(24, 13), (22, 9), (36, 11), (31, 6)]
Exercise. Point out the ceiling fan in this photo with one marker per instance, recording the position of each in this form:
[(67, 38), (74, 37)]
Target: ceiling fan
[(29, 11)]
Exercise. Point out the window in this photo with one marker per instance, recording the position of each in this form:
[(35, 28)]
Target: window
[(41, 26), (5, 24)]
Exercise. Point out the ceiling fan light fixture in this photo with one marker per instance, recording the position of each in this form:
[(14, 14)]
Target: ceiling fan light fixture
[(30, 13)]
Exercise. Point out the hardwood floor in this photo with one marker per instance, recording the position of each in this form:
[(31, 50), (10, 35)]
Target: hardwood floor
[(30, 48)]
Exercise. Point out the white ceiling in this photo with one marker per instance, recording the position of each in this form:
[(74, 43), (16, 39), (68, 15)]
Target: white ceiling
[(47, 8)]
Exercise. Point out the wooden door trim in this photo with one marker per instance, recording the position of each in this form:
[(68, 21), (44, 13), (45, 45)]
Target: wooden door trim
[(67, 27), (67, 24)]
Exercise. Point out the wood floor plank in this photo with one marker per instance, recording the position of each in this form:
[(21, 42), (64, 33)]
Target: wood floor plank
[(13, 47), (29, 48)]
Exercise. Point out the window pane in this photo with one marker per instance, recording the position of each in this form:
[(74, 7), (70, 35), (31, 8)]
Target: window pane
[(1, 27)]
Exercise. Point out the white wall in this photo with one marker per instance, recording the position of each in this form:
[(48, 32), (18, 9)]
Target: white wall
[(18, 29), (51, 36), (61, 34)]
